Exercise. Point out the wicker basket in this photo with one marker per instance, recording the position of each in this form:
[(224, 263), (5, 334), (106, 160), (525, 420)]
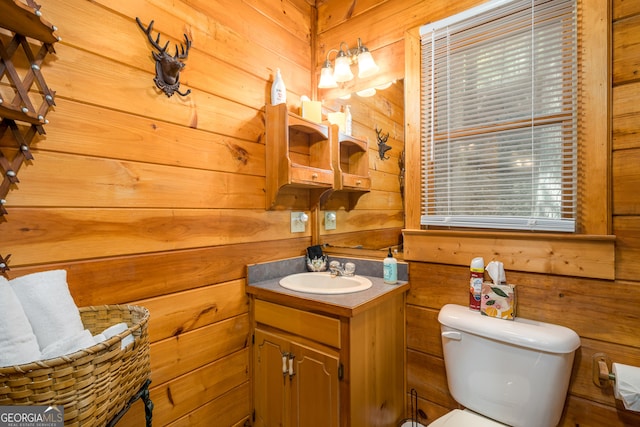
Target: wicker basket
[(92, 384)]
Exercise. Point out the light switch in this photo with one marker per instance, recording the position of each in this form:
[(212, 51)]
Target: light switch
[(298, 221), (329, 220)]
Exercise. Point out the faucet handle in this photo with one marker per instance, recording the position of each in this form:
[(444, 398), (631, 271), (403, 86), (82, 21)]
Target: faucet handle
[(349, 269)]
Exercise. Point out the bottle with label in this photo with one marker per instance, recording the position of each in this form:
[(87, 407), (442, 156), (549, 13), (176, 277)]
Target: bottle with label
[(475, 283), (347, 120), (390, 269), (278, 90)]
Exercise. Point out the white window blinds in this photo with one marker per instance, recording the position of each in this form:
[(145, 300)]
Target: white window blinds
[(499, 117)]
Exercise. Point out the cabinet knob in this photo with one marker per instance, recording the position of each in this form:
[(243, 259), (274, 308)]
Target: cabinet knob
[(358, 182), (314, 176)]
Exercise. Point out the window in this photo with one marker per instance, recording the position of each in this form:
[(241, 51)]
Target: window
[(499, 117)]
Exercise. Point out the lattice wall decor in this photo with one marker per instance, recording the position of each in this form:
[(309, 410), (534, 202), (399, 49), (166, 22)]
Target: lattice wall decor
[(25, 98)]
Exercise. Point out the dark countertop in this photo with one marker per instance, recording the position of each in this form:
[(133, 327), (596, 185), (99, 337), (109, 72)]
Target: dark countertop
[(263, 283)]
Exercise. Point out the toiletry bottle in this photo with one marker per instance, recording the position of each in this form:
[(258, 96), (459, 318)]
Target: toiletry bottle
[(347, 120), (475, 283), (390, 269), (278, 90)]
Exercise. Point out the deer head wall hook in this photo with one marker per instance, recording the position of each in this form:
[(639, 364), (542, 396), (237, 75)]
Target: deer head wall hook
[(167, 66), (382, 144)]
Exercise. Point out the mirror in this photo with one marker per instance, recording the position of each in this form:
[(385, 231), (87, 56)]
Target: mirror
[(374, 222)]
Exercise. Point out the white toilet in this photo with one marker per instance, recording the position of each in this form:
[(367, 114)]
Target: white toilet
[(504, 372)]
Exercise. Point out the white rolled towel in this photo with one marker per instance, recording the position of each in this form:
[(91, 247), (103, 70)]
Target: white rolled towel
[(68, 345), (18, 343), (116, 329), (48, 305)]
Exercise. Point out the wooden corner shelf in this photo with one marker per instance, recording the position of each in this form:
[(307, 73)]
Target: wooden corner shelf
[(351, 165), (298, 155)]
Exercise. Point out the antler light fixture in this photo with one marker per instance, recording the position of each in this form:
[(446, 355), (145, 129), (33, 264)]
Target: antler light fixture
[(345, 57)]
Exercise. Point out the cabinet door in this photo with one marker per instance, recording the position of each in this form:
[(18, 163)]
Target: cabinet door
[(314, 388), (271, 393)]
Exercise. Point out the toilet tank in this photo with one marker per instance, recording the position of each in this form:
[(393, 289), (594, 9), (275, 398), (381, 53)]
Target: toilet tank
[(515, 372)]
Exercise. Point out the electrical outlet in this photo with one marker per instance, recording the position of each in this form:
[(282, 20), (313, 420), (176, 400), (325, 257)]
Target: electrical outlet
[(298, 221), (330, 220)]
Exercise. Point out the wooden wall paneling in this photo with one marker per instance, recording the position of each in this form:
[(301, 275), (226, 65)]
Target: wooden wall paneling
[(553, 299), (59, 235), (99, 182), (133, 278), (583, 412), (626, 116), (220, 30), (423, 330), (426, 374), (87, 130), (627, 230), (626, 178), (578, 255), (182, 312), (626, 48), (229, 409), (184, 394), (624, 8), (337, 12), (181, 354)]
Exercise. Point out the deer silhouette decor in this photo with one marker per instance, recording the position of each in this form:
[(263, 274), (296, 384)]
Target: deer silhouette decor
[(382, 144), (168, 66)]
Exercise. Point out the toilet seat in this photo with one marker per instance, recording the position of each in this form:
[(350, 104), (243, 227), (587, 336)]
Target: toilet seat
[(464, 418)]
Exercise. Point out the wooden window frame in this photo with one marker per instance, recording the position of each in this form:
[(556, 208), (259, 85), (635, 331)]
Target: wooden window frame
[(587, 253)]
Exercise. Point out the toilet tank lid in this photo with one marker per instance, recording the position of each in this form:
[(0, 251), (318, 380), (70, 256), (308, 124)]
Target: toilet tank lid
[(520, 332)]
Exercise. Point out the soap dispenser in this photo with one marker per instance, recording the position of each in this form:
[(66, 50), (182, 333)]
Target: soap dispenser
[(390, 269)]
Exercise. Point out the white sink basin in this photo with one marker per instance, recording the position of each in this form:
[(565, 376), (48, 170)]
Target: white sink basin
[(323, 283)]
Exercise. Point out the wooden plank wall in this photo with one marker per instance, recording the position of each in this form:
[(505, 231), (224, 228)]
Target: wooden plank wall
[(159, 201), (606, 314)]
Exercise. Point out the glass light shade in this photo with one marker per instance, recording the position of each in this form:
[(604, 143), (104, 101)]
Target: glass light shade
[(366, 65), (343, 69), (326, 78), (367, 92)]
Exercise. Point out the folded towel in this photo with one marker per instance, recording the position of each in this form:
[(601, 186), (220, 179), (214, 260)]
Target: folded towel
[(99, 338), (18, 343), (68, 345), (48, 305), (116, 329), (498, 301)]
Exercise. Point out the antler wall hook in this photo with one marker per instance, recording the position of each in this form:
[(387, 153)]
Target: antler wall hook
[(168, 67), (382, 144)]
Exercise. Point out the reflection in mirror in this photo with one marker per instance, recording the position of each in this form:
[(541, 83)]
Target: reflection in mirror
[(374, 223)]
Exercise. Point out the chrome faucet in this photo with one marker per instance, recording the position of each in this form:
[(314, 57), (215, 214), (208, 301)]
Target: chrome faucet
[(337, 269)]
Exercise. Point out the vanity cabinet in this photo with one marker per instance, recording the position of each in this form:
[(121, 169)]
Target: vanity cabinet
[(296, 384), (316, 366), (298, 154)]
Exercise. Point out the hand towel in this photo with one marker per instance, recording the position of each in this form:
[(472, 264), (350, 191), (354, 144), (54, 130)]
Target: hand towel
[(498, 301), (116, 329), (48, 305), (18, 343), (68, 345)]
